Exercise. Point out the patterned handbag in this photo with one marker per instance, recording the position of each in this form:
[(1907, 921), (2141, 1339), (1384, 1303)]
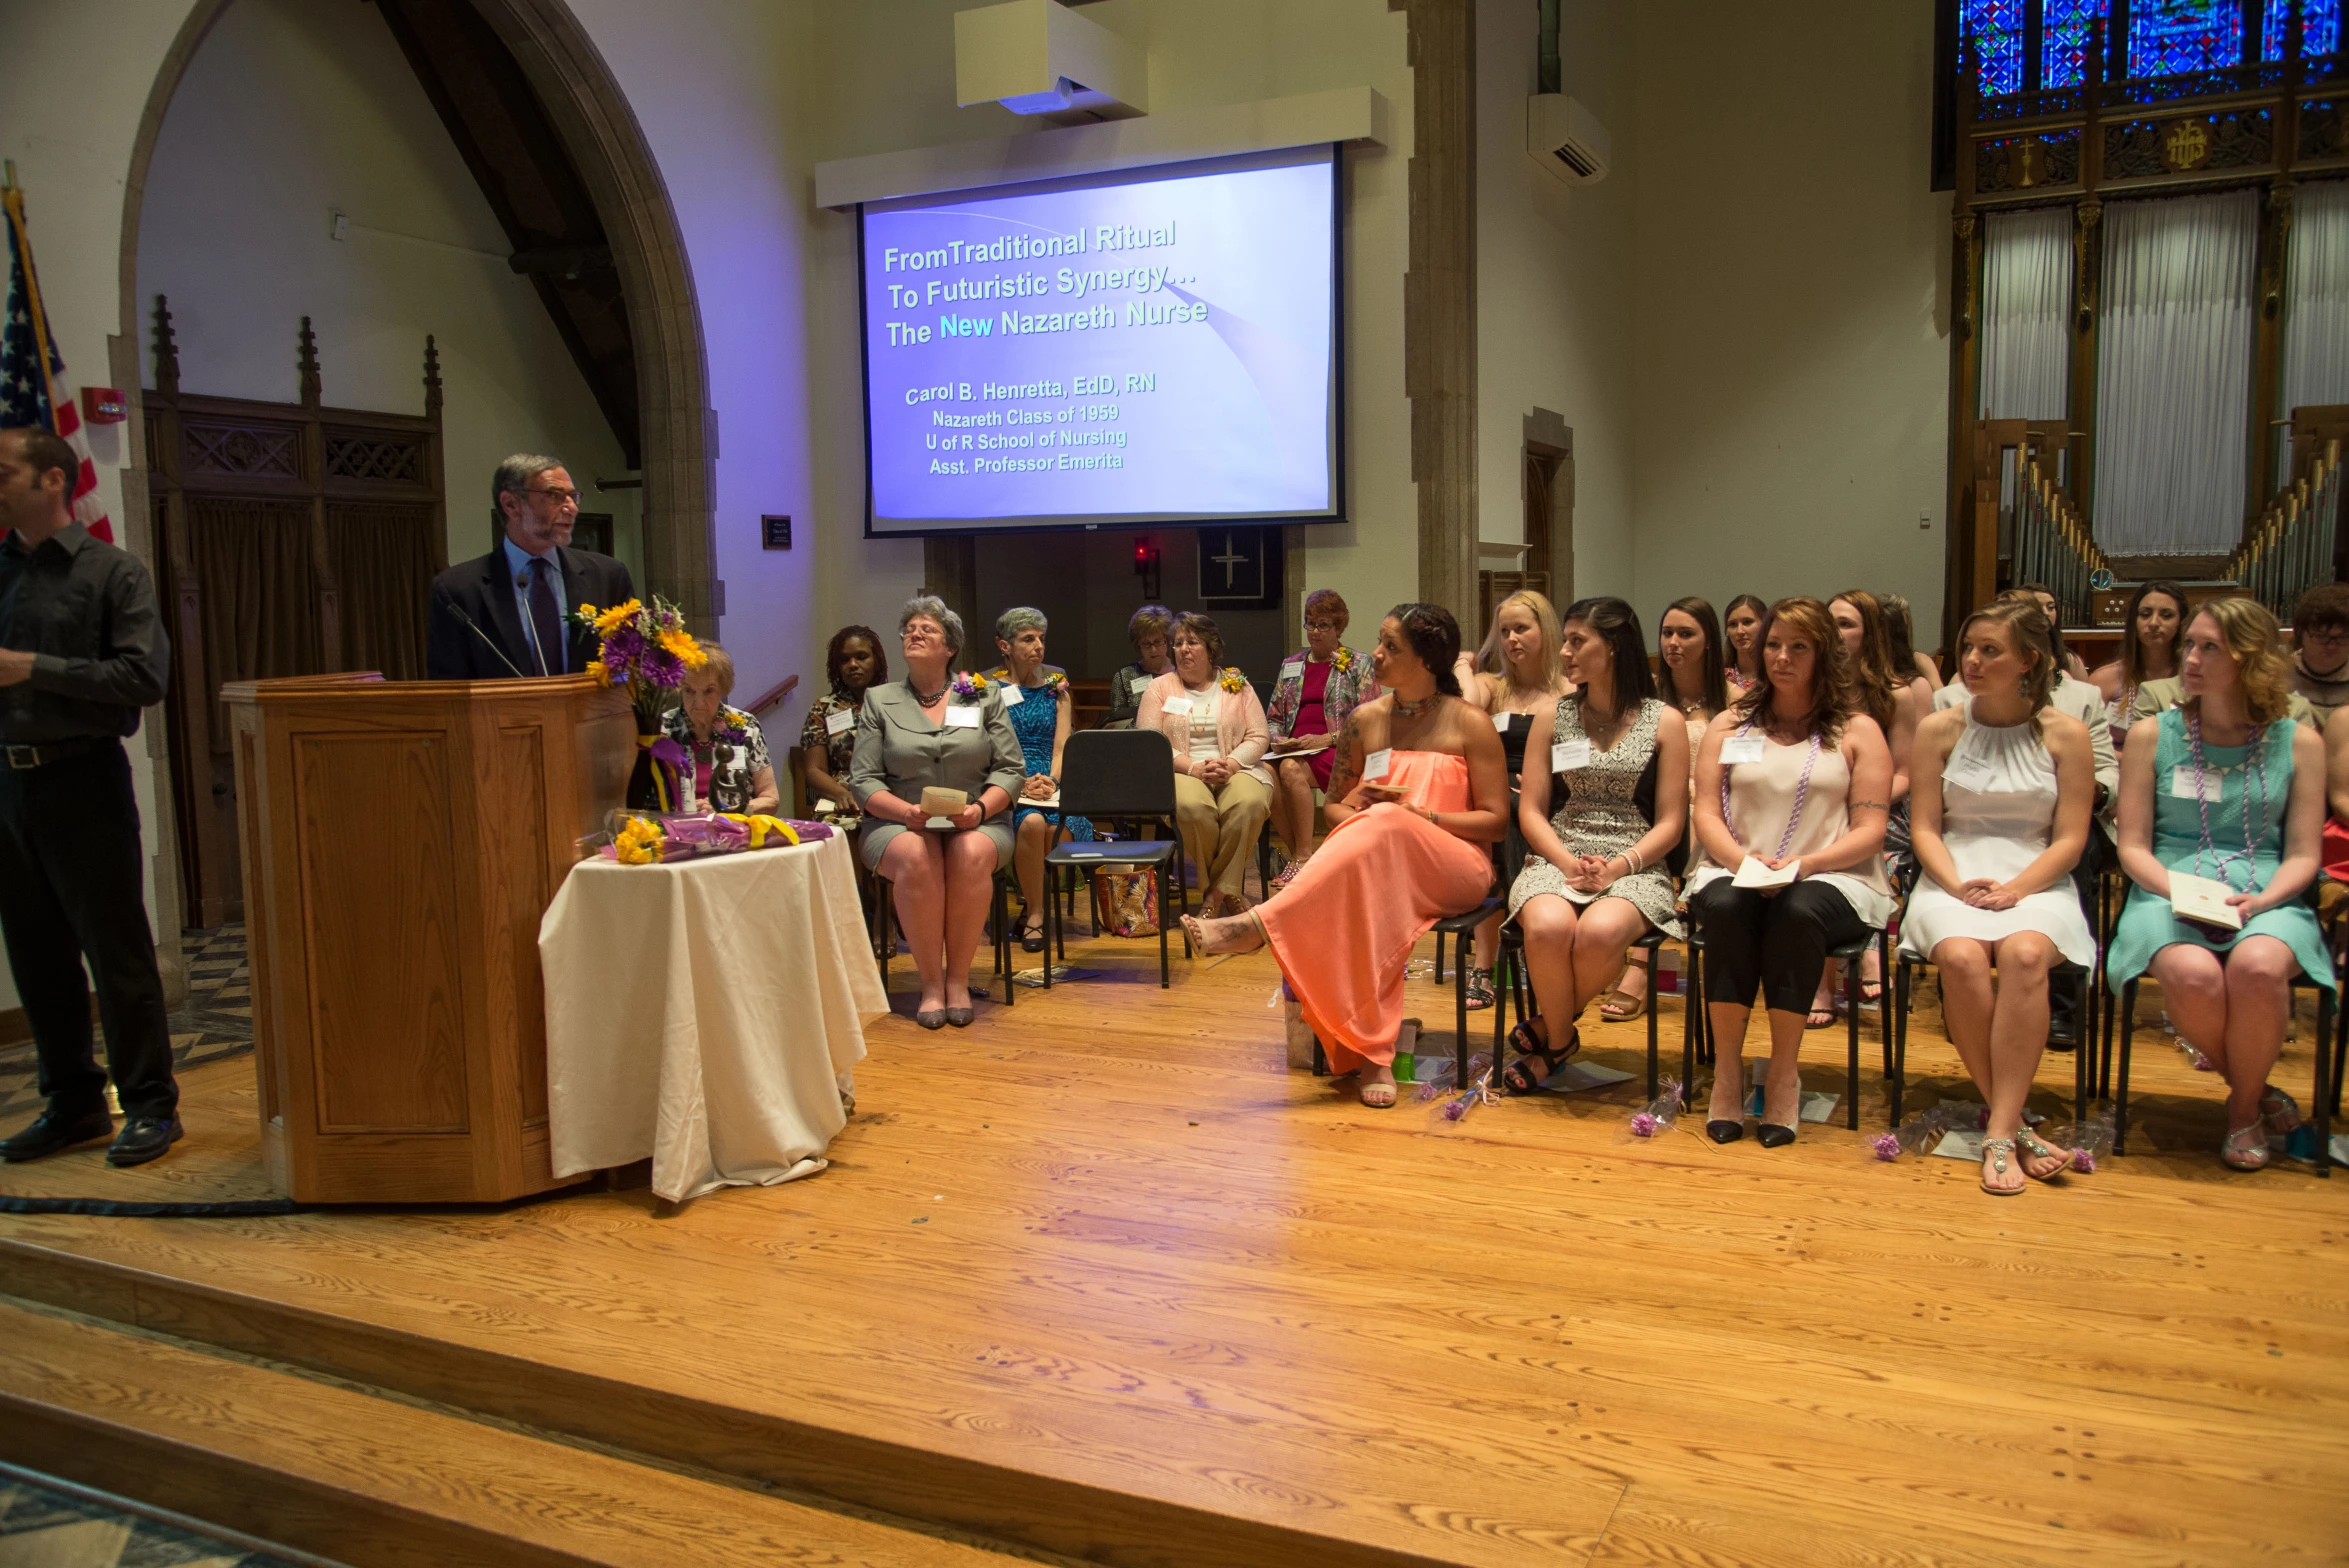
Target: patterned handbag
[(1128, 901)]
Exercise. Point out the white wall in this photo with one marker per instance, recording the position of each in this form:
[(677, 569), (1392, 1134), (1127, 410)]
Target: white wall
[(1790, 359), (1554, 284), (293, 110)]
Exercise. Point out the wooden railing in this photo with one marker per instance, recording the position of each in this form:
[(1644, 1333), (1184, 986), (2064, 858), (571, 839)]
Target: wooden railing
[(2052, 545), (2292, 548)]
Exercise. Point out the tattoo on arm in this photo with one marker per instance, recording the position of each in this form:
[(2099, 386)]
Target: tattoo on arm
[(1346, 771), (1868, 805)]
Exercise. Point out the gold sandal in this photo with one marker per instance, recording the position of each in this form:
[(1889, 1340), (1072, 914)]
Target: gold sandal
[(1619, 1006)]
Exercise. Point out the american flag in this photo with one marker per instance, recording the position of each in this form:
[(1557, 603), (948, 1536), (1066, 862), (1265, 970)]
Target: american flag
[(32, 372)]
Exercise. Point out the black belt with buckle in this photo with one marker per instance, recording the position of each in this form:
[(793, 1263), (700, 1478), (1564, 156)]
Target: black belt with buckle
[(24, 759)]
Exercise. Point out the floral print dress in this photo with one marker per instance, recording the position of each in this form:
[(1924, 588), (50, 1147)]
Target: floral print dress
[(723, 769)]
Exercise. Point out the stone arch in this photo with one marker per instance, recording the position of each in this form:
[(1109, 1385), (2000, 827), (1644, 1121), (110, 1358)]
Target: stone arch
[(676, 426)]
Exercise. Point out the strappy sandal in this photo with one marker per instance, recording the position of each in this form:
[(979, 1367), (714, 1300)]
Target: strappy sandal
[(2280, 1111), (1520, 1078), (1820, 1017), (1998, 1151), (2245, 1148), (2033, 1147), (1479, 986), (1378, 1096), (1287, 874), (1619, 1006)]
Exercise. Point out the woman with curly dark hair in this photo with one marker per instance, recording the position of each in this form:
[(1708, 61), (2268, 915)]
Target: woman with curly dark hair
[(853, 663), (1417, 797), (1792, 786)]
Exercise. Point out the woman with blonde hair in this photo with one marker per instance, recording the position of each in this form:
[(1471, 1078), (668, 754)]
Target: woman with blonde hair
[(1517, 675), (1320, 686), (2226, 787), (2004, 789)]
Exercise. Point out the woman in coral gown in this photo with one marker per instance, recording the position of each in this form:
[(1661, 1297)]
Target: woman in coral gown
[(1417, 797)]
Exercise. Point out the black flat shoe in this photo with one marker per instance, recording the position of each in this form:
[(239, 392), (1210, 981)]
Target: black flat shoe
[(1032, 939), (1774, 1136), (52, 1133), (931, 1018), (960, 1017), (1724, 1132), (144, 1138)]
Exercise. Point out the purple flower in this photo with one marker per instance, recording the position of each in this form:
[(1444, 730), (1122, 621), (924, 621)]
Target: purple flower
[(663, 669), (1456, 1109), (1887, 1146), (2084, 1162), (1643, 1125)]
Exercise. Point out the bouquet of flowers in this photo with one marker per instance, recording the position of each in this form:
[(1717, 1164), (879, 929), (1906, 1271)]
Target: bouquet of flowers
[(648, 649)]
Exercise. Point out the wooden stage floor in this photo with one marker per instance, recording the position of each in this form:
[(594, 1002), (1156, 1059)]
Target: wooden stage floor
[(1100, 1278)]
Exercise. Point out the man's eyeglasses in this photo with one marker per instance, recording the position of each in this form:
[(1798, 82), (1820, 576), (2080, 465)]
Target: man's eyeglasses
[(558, 496)]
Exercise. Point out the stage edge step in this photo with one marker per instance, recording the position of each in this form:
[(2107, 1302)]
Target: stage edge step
[(382, 1483), (954, 1493)]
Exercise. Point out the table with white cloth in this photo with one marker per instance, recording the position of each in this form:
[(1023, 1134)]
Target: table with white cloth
[(707, 1013)]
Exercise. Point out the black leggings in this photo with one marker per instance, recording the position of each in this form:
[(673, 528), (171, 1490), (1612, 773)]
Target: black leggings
[(1777, 943)]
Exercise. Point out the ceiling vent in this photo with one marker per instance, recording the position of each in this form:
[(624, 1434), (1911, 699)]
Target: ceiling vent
[(1566, 139)]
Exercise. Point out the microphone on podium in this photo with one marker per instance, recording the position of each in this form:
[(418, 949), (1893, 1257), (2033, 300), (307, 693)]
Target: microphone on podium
[(458, 610)]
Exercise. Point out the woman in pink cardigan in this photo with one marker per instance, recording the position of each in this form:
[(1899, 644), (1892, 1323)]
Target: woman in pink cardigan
[(1223, 791)]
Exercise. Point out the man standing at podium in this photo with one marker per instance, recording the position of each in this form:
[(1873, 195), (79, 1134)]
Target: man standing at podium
[(82, 650), (506, 614)]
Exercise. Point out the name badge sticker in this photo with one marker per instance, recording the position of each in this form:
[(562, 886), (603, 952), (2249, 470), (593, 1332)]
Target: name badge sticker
[(1377, 765), (1741, 748), (838, 723), (1567, 755), (1012, 695), (1971, 773), (962, 718), (1179, 705), (1501, 722), (1294, 667), (2183, 780), (1138, 684)]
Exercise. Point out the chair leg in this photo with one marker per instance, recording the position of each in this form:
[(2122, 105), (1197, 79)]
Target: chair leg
[(1852, 968), (1653, 1034), (1501, 994), (1459, 1023), (2082, 1068), (2120, 1106), (2324, 1091), (1165, 967), (1688, 1018), (1003, 927), (1439, 974), (1896, 1073)]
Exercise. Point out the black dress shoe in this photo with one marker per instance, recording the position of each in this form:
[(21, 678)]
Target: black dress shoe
[(1032, 939), (144, 1138), (52, 1132), (1773, 1136), (1724, 1132)]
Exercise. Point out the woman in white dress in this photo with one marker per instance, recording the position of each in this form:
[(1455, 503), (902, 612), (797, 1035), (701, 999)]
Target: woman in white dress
[(2003, 788)]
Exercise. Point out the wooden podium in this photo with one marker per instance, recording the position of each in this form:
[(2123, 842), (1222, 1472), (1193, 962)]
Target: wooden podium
[(400, 841)]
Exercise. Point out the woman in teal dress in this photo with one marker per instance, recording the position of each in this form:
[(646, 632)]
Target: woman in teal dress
[(2226, 786), (1037, 700)]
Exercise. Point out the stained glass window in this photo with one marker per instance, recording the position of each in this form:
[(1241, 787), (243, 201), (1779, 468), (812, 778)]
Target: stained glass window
[(2173, 37), (1994, 29), (2064, 39), (2320, 28)]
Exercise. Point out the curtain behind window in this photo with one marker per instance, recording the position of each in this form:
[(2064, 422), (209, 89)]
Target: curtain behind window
[(382, 561), (2316, 305), (2173, 374), (260, 594), (2026, 310)]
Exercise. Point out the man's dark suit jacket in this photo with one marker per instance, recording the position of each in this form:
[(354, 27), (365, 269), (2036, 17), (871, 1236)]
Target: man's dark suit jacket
[(483, 588)]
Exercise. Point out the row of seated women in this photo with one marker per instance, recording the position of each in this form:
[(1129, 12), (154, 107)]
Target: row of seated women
[(1781, 800)]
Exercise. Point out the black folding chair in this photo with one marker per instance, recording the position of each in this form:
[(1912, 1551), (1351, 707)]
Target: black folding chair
[(1698, 1028), (1118, 776), (2080, 976)]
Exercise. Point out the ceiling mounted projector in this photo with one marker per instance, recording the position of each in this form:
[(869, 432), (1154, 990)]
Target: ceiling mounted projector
[(1566, 139), (1039, 57)]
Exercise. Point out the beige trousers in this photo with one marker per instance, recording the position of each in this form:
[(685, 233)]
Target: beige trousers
[(1220, 828)]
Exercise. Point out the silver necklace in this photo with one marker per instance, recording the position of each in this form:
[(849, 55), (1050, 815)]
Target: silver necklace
[(1412, 710)]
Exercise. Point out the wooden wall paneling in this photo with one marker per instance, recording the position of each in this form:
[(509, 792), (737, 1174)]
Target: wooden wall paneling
[(1439, 299), (524, 774), (1963, 574)]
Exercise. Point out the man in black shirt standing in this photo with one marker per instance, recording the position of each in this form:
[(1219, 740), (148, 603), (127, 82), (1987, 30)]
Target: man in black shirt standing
[(82, 650)]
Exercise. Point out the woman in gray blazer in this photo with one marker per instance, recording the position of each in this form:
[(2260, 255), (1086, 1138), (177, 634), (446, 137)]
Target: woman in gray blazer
[(921, 733)]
